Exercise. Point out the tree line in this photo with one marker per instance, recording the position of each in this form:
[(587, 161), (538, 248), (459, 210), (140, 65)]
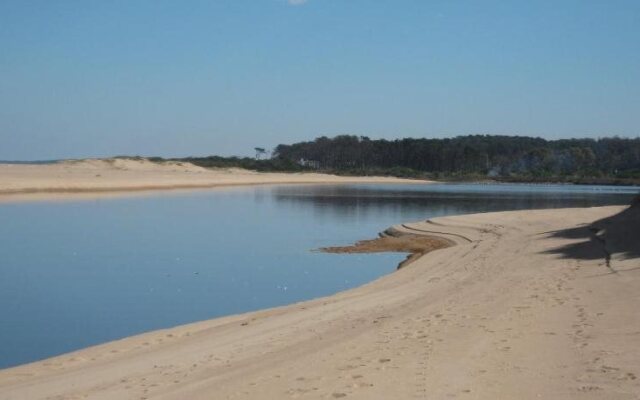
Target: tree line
[(611, 160), (501, 157)]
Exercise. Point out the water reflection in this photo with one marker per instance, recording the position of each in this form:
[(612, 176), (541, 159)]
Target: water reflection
[(364, 201)]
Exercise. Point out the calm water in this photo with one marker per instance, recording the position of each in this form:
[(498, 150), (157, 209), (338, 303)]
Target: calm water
[(78, 273)]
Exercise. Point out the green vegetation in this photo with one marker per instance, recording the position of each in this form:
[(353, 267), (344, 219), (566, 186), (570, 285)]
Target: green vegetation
[(276, 164), (509, 158), (475, 157)]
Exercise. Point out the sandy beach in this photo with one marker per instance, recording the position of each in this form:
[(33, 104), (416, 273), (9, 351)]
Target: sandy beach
[(117, 176), (451, 212), (524, 305)]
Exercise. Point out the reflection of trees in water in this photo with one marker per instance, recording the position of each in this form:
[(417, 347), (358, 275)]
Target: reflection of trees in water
[(348, 202)]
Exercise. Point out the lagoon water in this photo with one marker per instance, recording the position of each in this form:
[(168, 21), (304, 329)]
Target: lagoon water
[(79, 273)]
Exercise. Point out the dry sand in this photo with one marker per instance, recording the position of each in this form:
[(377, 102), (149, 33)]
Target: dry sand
[(91, 177), (526, 305)]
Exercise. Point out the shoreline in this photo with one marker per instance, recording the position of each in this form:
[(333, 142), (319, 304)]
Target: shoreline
[(396, 239), (99, 193), (107, 177), (522, 307)]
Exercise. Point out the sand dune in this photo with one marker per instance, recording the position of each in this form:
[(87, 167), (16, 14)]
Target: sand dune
[(109, 176), (526, 305)]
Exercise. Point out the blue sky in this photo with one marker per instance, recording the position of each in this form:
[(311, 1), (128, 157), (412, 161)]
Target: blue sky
[(175, 78)]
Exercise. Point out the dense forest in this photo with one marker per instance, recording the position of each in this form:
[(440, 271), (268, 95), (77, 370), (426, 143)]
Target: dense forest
[(510, 158)]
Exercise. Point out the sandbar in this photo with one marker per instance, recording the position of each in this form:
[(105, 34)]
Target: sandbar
[(90, 178)]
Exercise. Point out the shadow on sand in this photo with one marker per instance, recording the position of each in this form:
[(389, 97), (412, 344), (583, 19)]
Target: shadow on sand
[(617, 237)]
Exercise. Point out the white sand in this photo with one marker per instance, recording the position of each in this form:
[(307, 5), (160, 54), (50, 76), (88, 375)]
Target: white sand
[(109, 176), (523, 307)]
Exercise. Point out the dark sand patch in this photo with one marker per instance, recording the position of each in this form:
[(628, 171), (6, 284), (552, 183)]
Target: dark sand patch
[(395, 241)]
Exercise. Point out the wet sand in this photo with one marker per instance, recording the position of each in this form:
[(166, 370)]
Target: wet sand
[(524, 305), (394, 240)]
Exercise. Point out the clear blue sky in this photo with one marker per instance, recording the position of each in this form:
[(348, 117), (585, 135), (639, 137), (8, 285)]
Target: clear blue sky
[(175, 78)]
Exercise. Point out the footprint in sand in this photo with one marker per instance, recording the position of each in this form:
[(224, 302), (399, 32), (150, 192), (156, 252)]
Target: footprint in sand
[(589, 388)]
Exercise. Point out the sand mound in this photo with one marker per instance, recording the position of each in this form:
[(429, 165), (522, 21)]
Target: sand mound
[(134, 164), (121, 174)]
